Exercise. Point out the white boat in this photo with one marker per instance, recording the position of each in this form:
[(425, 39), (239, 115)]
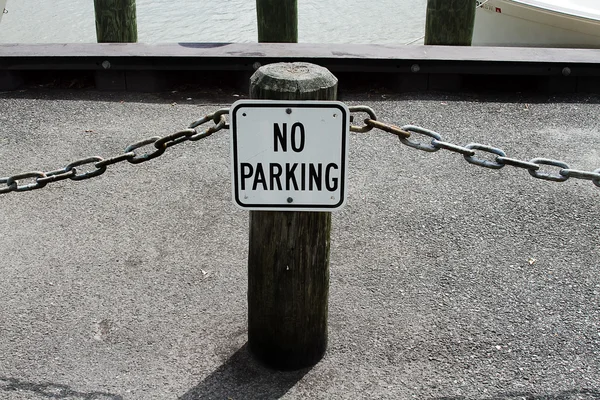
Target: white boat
[(537, 23)]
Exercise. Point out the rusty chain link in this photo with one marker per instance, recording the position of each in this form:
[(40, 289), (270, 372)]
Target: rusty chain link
[(159, 145), (408, 135)]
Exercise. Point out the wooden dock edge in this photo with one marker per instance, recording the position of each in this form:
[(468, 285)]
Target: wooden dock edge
[(152, 68)]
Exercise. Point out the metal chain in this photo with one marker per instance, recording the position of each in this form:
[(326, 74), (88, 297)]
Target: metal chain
[(407, 135), (132, 155)]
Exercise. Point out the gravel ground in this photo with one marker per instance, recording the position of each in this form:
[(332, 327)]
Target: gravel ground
[(448, 281)]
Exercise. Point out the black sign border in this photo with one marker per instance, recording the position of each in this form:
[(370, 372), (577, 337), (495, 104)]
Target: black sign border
[(283, 207)]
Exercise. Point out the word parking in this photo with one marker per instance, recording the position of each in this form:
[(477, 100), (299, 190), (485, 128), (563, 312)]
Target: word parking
[(292, 176)]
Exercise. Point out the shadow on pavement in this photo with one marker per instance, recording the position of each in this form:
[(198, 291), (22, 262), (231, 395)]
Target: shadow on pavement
[(51, 390), (241, 377), (575, 394)]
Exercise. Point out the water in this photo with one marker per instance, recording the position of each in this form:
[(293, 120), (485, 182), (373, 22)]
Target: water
[(335, 21)]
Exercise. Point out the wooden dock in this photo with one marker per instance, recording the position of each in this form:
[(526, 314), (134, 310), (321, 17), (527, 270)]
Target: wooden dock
[(143, 67)]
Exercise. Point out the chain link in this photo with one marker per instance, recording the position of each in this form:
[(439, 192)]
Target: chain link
[(133, 154), (427, 140), (410, 135), (372, 122)]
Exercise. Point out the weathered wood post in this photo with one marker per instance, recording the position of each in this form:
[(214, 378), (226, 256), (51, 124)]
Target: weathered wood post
[(449, 22), (277, 21), (116, 21), (288, 260)]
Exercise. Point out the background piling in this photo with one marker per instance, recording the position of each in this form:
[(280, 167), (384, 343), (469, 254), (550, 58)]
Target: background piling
[(277, 21), (449, 22), (116, 21)]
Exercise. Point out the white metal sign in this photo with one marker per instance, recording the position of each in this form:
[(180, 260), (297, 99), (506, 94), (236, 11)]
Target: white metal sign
[(289, 155)]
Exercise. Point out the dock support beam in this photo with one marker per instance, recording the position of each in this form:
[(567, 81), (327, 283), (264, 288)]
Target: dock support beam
[(116, 22), (288, 259)]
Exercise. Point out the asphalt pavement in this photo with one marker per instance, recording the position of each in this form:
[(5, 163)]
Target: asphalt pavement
[(448, 281)]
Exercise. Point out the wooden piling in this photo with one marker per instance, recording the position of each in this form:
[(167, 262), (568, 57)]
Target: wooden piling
[(288, 260), (277, 21), (449, 22), (116, 21)]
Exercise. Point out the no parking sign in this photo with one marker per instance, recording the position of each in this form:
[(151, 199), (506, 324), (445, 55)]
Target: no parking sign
[(289, 155)]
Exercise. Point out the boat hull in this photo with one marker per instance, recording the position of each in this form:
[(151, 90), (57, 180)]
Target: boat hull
[(516, 23)]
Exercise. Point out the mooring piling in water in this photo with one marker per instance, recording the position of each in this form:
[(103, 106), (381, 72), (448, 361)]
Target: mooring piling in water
[(277, 21), (449, 22), (116, 21)]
